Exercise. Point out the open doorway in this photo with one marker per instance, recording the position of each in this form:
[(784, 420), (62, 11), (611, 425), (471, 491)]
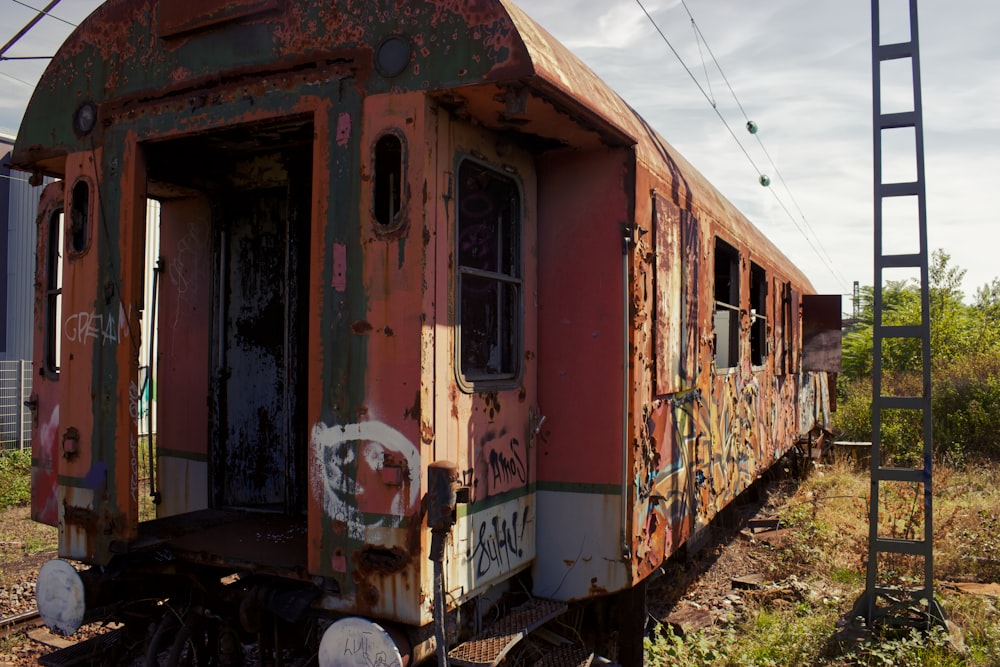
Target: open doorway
[(232, 330)]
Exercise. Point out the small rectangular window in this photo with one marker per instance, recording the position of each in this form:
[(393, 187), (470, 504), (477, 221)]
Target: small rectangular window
[(53, 293), (489, 274), (758, 315), (727, 305)]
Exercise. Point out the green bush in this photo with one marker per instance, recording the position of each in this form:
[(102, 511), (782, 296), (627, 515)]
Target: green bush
[(965, 369), (15, 478), (966, 406)]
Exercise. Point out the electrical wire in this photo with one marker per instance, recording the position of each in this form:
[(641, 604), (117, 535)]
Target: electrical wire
[(777, 172), (820, 252), (42, 11)]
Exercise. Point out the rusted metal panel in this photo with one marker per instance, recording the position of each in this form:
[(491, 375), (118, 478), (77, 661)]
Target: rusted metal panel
[(779, 350), (139, 66), (582, 316), (821, 332), (46, 450), (258, 372), (332, 364), (579, 558), (664, 493), (179, 16), (90, 324), (488, 423), (691, 314), (668, 272), (795, 326), (582, 341), (182, 366)]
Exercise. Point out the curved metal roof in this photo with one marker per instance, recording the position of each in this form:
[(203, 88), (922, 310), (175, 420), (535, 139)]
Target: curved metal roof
[(483, 58)]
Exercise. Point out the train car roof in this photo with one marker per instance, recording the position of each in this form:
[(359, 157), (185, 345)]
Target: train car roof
[(487, 59)]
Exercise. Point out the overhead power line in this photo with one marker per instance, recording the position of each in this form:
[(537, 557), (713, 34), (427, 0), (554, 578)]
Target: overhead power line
[(45, 11), (752, 128), (31, 24), (14, 78)]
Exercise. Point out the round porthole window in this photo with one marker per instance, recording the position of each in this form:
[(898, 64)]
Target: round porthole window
[(392, 56)]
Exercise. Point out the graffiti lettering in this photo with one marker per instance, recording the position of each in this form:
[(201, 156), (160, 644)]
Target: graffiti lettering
[(133, 401), (355, 642), (499, 543), (83, 326), (133, 471), (361, 647), (507, 469)]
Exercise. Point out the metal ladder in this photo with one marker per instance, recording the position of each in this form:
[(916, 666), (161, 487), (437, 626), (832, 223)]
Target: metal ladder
[(881, 602)]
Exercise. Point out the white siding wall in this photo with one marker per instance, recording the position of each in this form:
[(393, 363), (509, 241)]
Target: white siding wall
[(18, 223)]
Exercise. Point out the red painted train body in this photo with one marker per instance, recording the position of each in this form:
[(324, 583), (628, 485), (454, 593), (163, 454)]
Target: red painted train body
[(435, 324)]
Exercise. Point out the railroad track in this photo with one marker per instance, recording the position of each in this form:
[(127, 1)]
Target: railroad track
[(24, 621)]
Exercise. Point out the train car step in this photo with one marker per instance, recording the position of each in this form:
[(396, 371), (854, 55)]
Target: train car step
[(489, 647), (93, 651)]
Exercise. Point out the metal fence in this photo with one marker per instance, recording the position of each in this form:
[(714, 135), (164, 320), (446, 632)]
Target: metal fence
[(15, 418)]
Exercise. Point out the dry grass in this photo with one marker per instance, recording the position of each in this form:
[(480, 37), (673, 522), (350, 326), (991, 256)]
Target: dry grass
[(814, 578)]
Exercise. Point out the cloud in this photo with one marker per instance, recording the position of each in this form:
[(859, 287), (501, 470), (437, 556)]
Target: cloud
[(801, 70)]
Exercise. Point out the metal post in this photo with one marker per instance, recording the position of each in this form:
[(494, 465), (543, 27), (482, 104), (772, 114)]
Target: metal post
[(884, 602), (19, 405)]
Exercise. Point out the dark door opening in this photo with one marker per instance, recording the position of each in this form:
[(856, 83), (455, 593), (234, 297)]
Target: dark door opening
[(259, 341), (256, 181)]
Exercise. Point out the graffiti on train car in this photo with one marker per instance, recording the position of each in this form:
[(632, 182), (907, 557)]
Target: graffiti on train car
[(662, 483), (107, 327), (500, 539), (352, 455), (695, 458), (44, 475), (188, 262), (504, 464)]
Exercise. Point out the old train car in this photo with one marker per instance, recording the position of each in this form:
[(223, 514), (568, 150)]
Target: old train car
[(440, 331)]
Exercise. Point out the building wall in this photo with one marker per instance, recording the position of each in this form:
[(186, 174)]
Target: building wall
[(18, 207)]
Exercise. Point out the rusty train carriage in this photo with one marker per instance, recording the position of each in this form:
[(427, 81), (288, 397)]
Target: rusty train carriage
[(391, 235)]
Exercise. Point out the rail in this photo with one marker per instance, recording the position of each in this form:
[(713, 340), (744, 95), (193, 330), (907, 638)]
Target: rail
[(19, 622)]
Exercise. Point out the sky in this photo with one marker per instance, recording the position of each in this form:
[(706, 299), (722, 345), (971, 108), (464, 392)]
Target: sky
[(801, 70)]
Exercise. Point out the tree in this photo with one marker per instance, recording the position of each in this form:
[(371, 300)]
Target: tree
[(965, 359)]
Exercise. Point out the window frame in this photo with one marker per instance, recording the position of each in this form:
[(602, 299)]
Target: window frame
[(54, 273), (759, 348), (77, 240), (510, 377), (397, 191), (732, 306)]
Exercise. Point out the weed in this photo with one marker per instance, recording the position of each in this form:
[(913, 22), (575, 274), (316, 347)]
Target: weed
[(912, 649), (692, 650), (15, 478)]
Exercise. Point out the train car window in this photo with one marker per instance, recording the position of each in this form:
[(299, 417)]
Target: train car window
[(758, 315), (53, 293), (727, 305), (691, 240), (387, 186), (778, 325), (79, 227), (489, 276)]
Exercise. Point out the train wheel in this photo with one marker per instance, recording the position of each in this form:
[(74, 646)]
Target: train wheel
[(193, 643), (162, 640)]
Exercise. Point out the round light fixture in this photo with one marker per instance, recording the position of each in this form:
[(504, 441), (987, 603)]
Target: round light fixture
[(392, 55), (85, 118)]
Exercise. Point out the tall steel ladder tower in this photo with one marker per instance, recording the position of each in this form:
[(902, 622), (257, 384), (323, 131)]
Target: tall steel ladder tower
[(884, 602)]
